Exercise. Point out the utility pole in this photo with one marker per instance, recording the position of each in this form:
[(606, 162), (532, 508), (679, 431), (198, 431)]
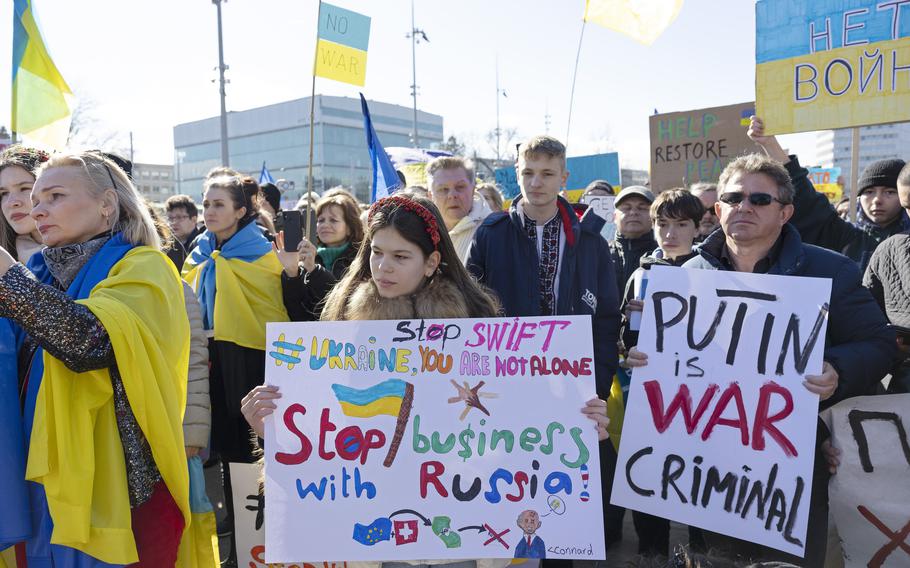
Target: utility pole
[(546, 118), (498, 130), (221, 69), (414, 41), (132, 160)]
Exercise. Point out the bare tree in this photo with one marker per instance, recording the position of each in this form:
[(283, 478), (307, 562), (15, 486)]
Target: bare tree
[(89, 130)]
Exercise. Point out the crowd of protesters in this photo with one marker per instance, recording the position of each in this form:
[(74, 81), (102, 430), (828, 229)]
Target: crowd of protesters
[(132, 341)]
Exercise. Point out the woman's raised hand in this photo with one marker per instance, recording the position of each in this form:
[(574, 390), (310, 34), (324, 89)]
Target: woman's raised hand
[(288, 259)]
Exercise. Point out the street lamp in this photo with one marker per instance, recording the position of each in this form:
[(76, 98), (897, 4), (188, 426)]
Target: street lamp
[(414, 41), (221, 69)]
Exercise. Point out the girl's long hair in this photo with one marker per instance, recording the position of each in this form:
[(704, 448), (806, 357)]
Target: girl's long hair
[(412, 228)]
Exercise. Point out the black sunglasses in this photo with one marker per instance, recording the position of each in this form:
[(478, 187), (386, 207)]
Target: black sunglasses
[(759, 199)]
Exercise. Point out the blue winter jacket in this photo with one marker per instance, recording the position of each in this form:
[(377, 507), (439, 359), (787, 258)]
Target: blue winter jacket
[(859, 343), (503, 258)]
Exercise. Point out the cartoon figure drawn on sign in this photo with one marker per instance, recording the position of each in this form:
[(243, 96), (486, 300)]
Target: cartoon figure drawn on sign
[(530, 545)]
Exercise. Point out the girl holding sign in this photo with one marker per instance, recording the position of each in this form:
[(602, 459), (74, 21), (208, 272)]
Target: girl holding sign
[(406, 268)]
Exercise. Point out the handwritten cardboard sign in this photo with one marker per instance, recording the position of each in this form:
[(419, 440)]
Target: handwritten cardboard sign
[(696, 145), (403, 440), (831, 64), (870, 494), (719, 431)]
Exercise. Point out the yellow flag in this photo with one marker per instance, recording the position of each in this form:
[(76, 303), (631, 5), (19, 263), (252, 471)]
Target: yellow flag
[(642, 20), (341, 46), (41, 97)]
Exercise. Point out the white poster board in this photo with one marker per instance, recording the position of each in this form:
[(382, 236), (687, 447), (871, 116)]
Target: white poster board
[(604, 206), (719, 431), (870, 493), (447, 439), (249, 521)]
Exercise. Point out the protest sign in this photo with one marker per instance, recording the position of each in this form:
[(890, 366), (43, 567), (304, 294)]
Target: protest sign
[(870, 493), (582, 171), (412, 162), (249, 521), (603, 206), (719, 431), (402, 440), (696, 145), (249, 530), (827, 181), (831, 64)]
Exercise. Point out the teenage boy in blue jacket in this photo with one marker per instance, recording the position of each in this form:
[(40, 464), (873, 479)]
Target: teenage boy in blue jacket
[(541, 259)]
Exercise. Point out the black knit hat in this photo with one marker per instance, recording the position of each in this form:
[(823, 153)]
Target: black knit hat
[(272, 195), (881, 173)]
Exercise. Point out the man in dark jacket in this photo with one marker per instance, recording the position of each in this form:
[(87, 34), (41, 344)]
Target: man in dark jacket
[(816, 219), (888, 278), (754, 206), (633, 232), (541, 259)]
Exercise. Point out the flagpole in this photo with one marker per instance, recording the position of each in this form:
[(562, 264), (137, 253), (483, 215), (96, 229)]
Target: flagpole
[(309, 188), (574, 76)]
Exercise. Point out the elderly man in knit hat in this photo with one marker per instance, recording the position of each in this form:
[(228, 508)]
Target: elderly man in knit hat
[(880, 215)]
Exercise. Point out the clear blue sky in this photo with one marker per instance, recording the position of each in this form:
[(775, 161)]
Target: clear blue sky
[(149, 65)]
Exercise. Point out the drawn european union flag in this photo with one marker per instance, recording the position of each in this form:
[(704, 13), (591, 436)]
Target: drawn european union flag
[(377, 531)]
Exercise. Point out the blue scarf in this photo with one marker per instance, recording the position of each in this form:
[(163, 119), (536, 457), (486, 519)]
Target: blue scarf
[(248, 244), (866, 224), (40, 552)]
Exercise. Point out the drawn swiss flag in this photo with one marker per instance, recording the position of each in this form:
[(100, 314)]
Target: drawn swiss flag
[(405, 532)]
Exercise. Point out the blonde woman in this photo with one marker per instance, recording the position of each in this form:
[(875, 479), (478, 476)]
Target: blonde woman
[(103, 343)]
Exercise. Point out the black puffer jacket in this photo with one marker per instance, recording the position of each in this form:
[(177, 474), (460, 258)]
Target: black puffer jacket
[(627, 253), (888, 278), (859, 343)]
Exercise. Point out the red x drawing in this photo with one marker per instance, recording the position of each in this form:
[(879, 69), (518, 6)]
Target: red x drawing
[(898, 539), (496, 536)]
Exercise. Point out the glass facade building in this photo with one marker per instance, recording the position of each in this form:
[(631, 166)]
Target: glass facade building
[(279, 135)]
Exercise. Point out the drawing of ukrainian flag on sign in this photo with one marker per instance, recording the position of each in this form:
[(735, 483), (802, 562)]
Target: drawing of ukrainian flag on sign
[(831, 64), (341, 45), (383, 398)]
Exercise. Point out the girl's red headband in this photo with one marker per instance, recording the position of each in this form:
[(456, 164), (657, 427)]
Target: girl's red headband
[(429, 220)]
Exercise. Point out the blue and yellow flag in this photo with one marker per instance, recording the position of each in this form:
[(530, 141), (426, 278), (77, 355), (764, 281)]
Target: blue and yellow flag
[(831, 64), (641, 20), (385, 178), (383, 398), (341, 45), (41, 98)]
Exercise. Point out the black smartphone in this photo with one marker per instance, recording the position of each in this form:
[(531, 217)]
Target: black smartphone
[(293, 229)]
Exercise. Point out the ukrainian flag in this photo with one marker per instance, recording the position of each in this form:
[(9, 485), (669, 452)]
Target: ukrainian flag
[(341, 45), (823, 64), (41, 98), (642, 21), (384, 398)]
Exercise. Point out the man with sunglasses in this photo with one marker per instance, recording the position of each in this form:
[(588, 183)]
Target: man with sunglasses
[(707, 193), (879, 217), (755, 205)]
